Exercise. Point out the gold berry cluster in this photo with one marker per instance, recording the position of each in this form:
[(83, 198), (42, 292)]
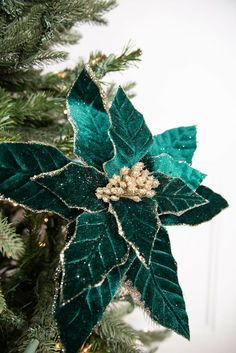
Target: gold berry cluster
[(132, 183)]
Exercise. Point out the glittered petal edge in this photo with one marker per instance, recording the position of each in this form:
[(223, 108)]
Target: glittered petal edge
[(175, 220), (89, 72), (41, 210), (130, 243), (171, 141), (113, 158), (185, 166), (179, 213), (108, 289), (121, 262), (57, 172), (72, 213)]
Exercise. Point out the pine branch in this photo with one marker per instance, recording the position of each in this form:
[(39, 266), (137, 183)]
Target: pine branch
[(2, 302), (21, 38), (43, 57), (28, 108), (70, 38), (40, 109), (29, 29), (11, 245), (81, 11), (45, 337), (120, 310), (11, 8), (10, 321), (102, 64), (151, 339), (118, 335), (7, 136), (41, 326)]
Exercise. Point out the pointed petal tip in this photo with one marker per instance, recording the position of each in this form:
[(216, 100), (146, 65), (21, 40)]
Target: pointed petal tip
[(186, 333)]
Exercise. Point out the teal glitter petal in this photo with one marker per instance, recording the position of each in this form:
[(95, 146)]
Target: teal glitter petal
[(76, 185), (173, 195), (20, 162), (169, 166), (129, 133), (216, 203), (90, 122), (180, 143), (92, 253), (77, 318), (159, 287), (139, 223)]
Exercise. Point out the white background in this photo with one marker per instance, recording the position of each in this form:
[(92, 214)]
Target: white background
[(188, 76)]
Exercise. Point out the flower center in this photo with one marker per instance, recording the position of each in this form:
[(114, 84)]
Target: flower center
[(132, 183)]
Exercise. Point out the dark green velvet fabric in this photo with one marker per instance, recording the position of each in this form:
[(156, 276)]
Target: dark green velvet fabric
[(216, 203), (95, 249), (77, 318), (105, 245), (129, 133), (180, 143), (173, 196), (167, 165), (76, 185), (140, 223), (159, 287), (90, 122), (21, 161)]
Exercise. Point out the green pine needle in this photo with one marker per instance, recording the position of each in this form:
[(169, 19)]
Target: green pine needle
[(103, 64), (28, 109), (119, 336), (2, 302), (29, 29), (11, 244)]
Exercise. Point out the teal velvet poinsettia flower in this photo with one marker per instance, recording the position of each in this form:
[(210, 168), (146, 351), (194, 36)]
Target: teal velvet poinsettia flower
[(120, 192)]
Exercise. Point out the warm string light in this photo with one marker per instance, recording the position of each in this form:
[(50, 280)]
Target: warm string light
[(42, 243), (60, 74), (58, 345), (86, 348), (96, 61)]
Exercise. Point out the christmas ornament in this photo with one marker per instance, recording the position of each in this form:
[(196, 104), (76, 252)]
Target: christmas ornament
[(129, 185)]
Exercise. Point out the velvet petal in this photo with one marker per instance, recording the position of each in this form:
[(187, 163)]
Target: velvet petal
[(77, 318), (174, 196), (92, 253), (159, 287), (169, 166), (21, 161), (139, 224), (90, 122), (76, 185), (180, 143), (129, 133), (216, 203)]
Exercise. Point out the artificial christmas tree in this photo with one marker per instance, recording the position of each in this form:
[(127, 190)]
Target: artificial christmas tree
[(103, 210), (30, 243)]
